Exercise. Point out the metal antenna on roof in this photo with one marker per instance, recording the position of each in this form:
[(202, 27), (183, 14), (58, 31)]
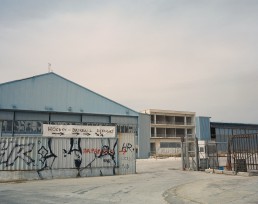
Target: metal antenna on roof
[(49, 67)]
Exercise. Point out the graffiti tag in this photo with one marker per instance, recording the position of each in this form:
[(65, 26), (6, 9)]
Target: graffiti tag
[(16, 151), (126, 147), (47, 157)]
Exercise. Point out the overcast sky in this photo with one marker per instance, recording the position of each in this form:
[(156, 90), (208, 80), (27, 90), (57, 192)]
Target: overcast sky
[(199, 56)]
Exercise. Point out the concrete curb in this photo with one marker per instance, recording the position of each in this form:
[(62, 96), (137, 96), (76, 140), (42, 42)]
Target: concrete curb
[(233, 173)]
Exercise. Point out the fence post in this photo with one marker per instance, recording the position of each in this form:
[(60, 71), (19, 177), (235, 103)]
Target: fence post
[(229, 165), (182, 153), (187, 152), (197, 153)]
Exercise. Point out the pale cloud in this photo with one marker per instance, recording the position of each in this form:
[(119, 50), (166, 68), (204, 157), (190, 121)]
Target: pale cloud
[(182, 55)]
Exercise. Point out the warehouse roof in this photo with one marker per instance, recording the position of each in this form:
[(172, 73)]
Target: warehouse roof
[(52, 93)]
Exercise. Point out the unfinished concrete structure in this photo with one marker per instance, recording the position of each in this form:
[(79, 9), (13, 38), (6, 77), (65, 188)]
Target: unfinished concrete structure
[(168, 128)]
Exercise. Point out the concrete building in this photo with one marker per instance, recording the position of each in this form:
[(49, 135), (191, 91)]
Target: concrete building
[(51, 127), (167, 129)]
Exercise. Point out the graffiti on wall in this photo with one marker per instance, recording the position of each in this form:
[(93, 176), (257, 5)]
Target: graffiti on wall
[(28, 127), (127, 154), (74, 151), (47, 157), (46, 154), (7, 126), (11, 151), (105, 152), (22, 127), (126, 147)]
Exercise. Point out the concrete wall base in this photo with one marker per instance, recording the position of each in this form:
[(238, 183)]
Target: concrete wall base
[(6, 176), (229, 172)]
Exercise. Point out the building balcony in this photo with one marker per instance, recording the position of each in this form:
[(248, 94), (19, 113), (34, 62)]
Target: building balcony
[(166, 135), (159, 135), (172, 123)]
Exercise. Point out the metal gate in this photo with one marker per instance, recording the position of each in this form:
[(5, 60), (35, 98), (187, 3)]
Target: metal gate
[(244, 152), (217, 154), (238, 153), (189, 153)]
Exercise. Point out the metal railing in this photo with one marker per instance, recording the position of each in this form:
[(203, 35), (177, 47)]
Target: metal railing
[(167, 135), (163, 122)]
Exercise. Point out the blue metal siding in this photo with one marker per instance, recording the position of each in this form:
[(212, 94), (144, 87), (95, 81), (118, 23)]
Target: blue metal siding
[(50, 92), (144, 136), (124, 120), (95, 119), (203, 128), (65, 117), (6, 115), (31, 116)]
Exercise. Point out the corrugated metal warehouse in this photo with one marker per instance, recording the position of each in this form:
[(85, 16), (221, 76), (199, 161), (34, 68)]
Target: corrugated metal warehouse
[(219, 131), (29, 105), (227, 145)]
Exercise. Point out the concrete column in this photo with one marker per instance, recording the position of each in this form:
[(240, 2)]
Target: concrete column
[(187, 152), (182, 155)]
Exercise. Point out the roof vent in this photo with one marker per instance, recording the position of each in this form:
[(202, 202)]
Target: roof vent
[(48, 108), (70, 109), (14, 106)]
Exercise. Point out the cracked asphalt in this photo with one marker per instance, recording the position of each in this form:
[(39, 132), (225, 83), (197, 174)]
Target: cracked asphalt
[(156, 181)]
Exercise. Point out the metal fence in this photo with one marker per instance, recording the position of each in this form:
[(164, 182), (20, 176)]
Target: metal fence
[(215, 156), (244, 152), (237, 153), (102, 156)]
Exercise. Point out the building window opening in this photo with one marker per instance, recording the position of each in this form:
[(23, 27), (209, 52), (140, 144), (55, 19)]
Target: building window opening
[(161, 132), (180, 132), (170, 145), (189, 120), (179, 120), (152, 118), (170, 132), (160, 119)]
